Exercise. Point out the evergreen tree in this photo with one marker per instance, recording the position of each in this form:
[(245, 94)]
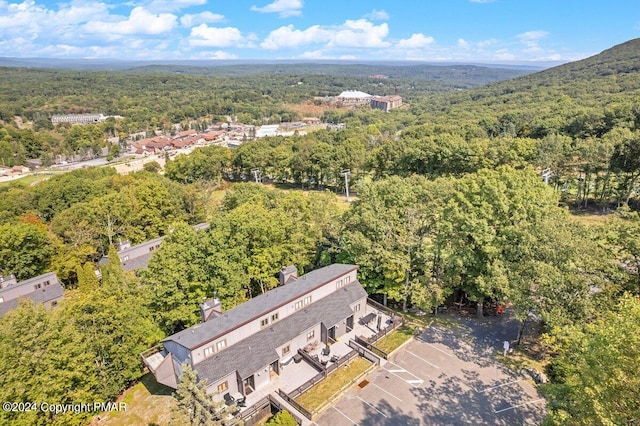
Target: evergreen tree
[(194, 406)]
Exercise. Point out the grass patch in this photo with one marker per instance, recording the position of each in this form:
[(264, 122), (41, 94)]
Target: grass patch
[(323, 391), (518, 360), (30, 179), (394, 339), (148, 403), (590, 219)]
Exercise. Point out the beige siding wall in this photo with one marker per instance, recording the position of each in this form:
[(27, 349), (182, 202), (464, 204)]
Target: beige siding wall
[(232, 384)]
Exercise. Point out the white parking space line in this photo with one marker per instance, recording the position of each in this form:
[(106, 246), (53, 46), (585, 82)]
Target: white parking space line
[(370, 405), (519, 405), (499, 386), (438, 349), (415, 382), (347, 417), (387, 392), (422, 359)]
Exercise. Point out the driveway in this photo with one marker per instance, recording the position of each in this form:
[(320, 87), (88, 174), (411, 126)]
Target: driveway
[(445, 376)]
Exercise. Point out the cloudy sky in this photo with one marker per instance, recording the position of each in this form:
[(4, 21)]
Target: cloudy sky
[(432, 30)]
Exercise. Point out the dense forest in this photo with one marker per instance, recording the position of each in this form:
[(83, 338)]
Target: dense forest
[(450, 203), (154, 98)]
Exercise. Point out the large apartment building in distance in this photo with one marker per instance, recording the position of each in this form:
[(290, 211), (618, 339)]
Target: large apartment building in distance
[(386, 103), (78, 118), (243, 349)]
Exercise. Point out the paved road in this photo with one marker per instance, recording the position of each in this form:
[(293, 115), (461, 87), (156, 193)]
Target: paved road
[(446, 376)]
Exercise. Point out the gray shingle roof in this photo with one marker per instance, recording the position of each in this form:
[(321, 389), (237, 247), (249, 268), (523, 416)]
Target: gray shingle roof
[(136, 263), (259, 350), (40, 296), (200, 334)]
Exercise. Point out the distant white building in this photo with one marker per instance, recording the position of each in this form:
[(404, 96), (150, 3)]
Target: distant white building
[(267, 130), (78, 118), (354, 97)]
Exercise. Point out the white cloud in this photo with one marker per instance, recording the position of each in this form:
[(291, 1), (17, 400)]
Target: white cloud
[(504, 55), (29, 20), (284, 8), (319, 54), (313, 54), (204, 35), (288, 37), (140, 21), (377, 15), (463, 43), (358, 33), (207, 17), (488, 42), (532, 37), (219, 54), (159, 6), (416, 41)]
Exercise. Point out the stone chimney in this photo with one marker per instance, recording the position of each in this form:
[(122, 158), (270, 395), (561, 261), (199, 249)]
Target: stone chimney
[(211, 308), (288, 274)]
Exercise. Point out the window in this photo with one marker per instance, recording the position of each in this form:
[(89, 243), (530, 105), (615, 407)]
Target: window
[(304, 302), (275, 317), (125, 258), (311, 335), (208, 351), (223, 387), (264, 322), (356, 308), (46, 283), (286, 350), (37, 286), (339, 283), (347, 279), (221, 345)]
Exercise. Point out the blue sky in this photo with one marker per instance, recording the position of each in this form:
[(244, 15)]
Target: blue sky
[(499, 31)]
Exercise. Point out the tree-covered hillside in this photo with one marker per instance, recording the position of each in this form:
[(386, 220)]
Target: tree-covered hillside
[(450, 206)]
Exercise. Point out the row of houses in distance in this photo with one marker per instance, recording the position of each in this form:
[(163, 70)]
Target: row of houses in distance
[(223, 134)]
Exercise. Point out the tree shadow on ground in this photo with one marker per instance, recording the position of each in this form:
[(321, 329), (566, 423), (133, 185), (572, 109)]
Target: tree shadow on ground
[(394, 417), (153, 387), (452, 403)]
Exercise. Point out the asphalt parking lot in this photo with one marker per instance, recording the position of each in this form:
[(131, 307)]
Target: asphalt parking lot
[(446, 376)]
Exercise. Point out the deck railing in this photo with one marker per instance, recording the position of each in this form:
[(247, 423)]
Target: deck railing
[(295, 405)]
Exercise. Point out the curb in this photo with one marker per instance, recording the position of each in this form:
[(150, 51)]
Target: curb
[(344, 390)]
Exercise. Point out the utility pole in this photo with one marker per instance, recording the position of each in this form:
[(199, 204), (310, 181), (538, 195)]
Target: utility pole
[(346, 174), (255, 174)]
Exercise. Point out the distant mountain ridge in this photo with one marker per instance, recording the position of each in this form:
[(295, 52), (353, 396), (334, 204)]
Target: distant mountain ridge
[(118, 64), (613, 72)]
